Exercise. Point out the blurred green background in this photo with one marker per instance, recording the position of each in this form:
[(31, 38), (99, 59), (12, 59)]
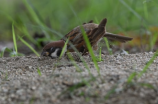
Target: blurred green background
[(55, 18)]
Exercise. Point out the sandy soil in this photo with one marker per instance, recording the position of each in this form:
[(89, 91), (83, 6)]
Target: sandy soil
[(33, 80)]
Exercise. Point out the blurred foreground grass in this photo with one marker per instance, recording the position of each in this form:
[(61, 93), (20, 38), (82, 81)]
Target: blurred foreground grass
[(57, 18)]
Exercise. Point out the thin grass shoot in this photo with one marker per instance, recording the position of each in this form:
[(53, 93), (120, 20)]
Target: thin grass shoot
[(33, 50), (64, 48), (14, 39), (107, 45), (38, 71), (90, 50)]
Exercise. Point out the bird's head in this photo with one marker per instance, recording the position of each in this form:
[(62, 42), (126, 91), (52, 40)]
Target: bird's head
[(53, 49)]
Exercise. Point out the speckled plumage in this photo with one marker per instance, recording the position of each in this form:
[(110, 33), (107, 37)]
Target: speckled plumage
[(95, 32)]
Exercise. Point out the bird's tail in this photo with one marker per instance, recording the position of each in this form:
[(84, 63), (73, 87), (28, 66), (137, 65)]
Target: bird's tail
[(115, 37), (98, 32), (102, 23)]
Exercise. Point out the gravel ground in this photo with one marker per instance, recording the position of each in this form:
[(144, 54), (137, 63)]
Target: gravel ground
[(33, 80)]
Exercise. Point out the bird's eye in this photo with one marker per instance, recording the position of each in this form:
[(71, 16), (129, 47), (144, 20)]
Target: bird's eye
[(52, 49)]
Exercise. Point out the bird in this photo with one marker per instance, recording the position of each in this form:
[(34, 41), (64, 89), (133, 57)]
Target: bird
[(95, 32)]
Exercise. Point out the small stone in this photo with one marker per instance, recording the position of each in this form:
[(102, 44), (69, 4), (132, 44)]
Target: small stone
[(20, 92), (33, 87), (118, 62), (124, 52), (12, 95), (5, 90)]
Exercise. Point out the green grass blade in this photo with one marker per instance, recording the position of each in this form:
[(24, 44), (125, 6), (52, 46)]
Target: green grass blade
[(148, 64), (130, 9), (6, 76), (71, 58), (131, 77), (74, 63), (100, 58), (31, 11), (81, 57), (107, 45), (78, 85), (26, 33), (3, 51), (35, 17), (39, 72), (145, 10), (148, 85), (110, 92), (153, 40), (90, 49), (77, 67), (14, 39), (23, 41), (64, 48)]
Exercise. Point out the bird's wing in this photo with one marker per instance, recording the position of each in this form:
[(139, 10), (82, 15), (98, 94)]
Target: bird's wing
[(77, 40), (93, 31)]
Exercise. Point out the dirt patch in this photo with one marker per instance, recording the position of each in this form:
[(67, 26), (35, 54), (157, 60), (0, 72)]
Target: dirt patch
[(45, 81)]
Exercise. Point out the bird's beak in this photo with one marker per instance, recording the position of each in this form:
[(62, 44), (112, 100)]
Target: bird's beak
[(44, 53)]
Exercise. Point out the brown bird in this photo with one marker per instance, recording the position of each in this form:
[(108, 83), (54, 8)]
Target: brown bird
[(94, 32)]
